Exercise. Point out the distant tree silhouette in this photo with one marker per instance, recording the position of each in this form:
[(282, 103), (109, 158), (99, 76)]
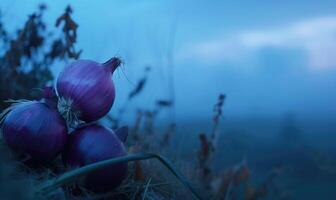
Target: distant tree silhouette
[(290, 132)]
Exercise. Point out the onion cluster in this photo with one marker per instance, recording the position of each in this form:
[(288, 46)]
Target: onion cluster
[(84, 93)]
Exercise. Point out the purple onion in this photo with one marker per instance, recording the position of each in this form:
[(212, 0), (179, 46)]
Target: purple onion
[(93, 143), (36, 129), (86, 90)]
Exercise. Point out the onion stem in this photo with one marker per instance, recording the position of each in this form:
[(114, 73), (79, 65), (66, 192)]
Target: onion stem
[(112, 64), (74, 174)]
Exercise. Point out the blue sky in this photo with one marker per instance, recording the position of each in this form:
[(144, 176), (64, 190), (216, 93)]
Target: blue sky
[(269, 57)]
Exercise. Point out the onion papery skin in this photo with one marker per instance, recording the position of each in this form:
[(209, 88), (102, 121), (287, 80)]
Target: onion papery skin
[(88, 88), (35, 129), (93, 143)]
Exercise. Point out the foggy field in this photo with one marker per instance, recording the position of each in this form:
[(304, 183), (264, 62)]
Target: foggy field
[(309, 163)]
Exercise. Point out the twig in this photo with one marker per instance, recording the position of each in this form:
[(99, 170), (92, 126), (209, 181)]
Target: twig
[(146, 189), (228, 192)]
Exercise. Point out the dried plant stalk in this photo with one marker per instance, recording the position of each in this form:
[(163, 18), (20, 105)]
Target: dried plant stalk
[(73, 175)]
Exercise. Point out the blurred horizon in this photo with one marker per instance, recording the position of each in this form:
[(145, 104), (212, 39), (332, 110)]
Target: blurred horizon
[(268, 58), (272, 136)]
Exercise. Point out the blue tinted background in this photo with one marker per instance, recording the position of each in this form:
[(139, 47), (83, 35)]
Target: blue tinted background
[(275, 61), (269, 57)]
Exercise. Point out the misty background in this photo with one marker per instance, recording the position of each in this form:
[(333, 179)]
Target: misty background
[(275, 61), (269, 58)]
